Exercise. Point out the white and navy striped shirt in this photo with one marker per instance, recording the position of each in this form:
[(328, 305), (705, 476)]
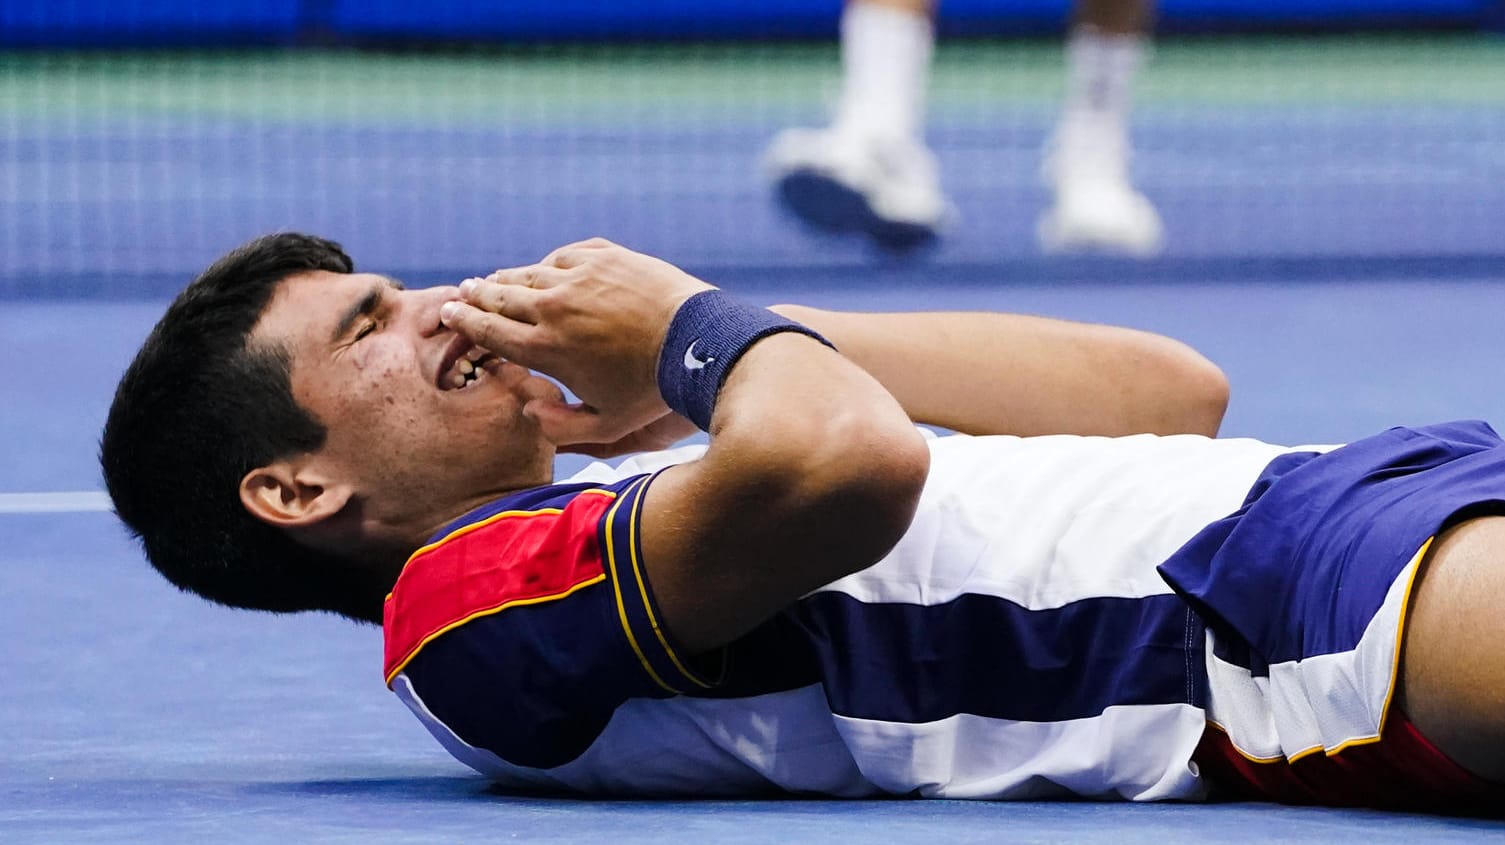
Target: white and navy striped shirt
[(1018, 642)]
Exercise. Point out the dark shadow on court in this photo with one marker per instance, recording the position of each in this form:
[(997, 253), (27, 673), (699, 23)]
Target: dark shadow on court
[(425, 789)]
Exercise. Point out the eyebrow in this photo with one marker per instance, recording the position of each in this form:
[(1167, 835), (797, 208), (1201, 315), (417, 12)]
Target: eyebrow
[(363, 307)]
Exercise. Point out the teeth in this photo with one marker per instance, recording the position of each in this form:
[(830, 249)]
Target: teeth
[(468, 367)]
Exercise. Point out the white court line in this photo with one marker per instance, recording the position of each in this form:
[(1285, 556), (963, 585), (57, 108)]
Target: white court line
[(72, 501)]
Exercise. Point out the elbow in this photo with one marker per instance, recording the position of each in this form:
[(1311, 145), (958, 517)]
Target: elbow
[(860, 491), (890, 468), (1191, 393), (1206, 397)]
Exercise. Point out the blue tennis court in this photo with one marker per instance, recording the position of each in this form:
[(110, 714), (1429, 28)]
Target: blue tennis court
[(142, 715), (1333, 210)]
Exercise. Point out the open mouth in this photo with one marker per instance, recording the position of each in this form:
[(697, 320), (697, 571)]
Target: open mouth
[(464, 365)]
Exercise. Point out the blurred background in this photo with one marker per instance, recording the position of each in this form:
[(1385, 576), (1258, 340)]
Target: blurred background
[(435, 140)]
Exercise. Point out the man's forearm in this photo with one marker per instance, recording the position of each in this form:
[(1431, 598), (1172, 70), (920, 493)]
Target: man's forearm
[(986, 373)]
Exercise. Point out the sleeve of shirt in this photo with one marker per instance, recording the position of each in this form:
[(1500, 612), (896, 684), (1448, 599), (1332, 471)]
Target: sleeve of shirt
[(529, 622)]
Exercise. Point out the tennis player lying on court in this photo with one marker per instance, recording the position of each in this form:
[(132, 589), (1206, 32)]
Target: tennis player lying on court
[(822, 600)]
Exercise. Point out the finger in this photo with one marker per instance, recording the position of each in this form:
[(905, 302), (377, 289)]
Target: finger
[(575, 254), (591, 450), (567, 424), (538, 276), (510, 301), (508, 338), (575, 246)]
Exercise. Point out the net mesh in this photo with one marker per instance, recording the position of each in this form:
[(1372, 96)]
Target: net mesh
[(120, 166)]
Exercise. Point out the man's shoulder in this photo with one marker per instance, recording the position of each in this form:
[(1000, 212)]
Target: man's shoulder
[(523, 625), (550, 499), (528, 547)]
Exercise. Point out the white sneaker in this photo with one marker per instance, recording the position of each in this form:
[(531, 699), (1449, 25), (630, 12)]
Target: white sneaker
[(842, 181), (1096, 208)]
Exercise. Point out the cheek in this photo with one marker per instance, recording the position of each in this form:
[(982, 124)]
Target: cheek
[(382, 397), (366, 355), (386, 376)]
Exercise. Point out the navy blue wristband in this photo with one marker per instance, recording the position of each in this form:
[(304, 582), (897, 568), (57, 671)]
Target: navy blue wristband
[(709, 332)]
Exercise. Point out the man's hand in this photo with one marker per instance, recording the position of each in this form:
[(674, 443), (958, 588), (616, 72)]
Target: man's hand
[(659, 434), (592, 315), (813, 471)]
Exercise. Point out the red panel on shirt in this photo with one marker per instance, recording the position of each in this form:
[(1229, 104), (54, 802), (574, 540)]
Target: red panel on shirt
[(511, 558), (1403, 771)]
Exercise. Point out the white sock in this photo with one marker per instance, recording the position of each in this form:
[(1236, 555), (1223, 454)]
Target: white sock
[(1100, 71), (885, 59)]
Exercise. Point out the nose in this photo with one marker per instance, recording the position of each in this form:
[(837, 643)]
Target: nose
[(428, 304)]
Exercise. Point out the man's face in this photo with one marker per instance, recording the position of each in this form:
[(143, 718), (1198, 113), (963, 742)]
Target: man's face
[(419, 422)]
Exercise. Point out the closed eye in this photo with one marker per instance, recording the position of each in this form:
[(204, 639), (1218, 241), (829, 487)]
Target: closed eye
[(365, 308), (365, 330)]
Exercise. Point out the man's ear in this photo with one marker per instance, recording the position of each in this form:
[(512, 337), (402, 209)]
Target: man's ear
[(291, 494)]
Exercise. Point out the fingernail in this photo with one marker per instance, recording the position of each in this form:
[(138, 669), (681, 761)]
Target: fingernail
[(448, 310), (467, 286)]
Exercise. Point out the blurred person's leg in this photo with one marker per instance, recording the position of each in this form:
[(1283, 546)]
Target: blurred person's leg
[(870, 169), (1087, 160)]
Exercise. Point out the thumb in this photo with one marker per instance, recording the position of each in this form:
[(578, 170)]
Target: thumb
[(564, 423)]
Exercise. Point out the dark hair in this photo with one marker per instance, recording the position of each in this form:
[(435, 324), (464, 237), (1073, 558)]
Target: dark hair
[(201, 406)]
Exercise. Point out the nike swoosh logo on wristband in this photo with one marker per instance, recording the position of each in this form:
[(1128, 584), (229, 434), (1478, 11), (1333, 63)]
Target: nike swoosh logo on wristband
[(692, 361)]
